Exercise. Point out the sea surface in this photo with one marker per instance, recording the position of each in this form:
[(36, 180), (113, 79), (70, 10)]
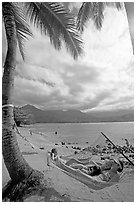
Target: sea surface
[(85, 134)]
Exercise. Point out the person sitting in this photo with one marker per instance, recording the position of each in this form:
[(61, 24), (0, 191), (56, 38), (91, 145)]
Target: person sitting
[(54, 154)]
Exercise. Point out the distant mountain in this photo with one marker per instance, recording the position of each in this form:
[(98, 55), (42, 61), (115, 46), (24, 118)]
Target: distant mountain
[(76, 116), (122, 115)]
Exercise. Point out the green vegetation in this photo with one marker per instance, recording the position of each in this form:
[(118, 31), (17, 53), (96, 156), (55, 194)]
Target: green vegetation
[(22, 117)]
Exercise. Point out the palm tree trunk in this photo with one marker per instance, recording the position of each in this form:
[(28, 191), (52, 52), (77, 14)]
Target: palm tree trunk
[(16, 165), (129, 6)]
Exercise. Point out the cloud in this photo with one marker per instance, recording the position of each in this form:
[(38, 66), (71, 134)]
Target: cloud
[(33, 84), (101, 79)]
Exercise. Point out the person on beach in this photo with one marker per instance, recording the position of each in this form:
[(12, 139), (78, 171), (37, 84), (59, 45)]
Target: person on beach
[(53, 154), (109, 171), (112, 174), (30, 131), (76, 161), (127, 143)]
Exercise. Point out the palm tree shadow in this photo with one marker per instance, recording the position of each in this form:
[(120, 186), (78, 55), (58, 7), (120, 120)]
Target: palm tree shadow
[(24, 191), (48, 195)]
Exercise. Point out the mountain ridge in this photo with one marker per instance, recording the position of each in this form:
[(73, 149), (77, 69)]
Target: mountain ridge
[(77, 116)]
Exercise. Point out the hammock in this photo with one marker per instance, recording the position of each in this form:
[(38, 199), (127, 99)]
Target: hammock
[(94, 182)]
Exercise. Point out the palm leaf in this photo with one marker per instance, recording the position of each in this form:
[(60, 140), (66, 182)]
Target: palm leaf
[(93, 10), (97, 13), (22, 27), (37, 18), (118, 5), (54, 21), (83, 16)]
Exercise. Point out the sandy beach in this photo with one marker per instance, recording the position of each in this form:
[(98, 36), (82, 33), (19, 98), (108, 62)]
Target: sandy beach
[(63, 187)]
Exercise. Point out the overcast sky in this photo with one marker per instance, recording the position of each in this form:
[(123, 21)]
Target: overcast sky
[(102, 79)]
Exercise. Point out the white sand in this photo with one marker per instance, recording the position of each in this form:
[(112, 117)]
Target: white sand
[(67, 187)]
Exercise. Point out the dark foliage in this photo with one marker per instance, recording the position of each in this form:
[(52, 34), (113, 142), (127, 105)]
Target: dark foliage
[(22, 117)]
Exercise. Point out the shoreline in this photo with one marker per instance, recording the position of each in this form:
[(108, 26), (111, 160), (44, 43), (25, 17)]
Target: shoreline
[(62, 183), (81, 123)]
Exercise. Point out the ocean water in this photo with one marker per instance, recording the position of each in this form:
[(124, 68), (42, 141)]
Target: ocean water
[(86, 133)]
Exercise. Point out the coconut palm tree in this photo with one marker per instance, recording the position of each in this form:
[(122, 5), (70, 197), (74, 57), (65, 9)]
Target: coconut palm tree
[(52, 19), (95, 10), (129, 6)]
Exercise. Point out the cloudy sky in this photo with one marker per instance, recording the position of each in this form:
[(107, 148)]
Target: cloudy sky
[(101, 79)]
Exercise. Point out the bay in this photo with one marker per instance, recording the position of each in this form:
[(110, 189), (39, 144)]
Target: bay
[(85, 134)]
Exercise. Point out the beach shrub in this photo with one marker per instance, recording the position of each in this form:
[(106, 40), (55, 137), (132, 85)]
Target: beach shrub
[(22, 117)]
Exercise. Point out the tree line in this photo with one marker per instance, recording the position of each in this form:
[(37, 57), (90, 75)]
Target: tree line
[(22, 117)]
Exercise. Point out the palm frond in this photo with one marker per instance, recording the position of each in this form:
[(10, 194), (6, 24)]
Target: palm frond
[(54, 21), (93, 10), (118, 5), (37, 18), (21, 45), (22, 27), (97, 13), (83, 15), (18, 15)]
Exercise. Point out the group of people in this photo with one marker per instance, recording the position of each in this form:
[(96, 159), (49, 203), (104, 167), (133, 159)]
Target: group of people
[(109, 171)]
